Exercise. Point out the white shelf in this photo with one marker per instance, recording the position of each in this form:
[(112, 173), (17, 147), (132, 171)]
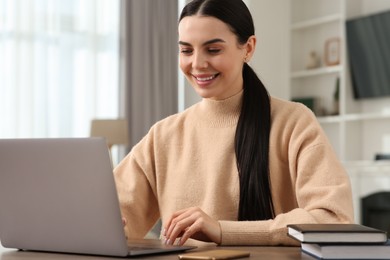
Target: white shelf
[(353, 117), (371, 116), (316, 72), (316, 22), (329, 119), (375, 167)]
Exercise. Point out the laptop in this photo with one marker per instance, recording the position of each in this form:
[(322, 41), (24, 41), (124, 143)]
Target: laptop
[(59, 195)]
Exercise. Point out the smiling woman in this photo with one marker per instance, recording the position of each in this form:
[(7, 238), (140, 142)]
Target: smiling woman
[(58, 66), (207, 57), (239, 165)]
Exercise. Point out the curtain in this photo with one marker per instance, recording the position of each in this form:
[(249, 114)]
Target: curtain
[(59, 66), (149, 63)]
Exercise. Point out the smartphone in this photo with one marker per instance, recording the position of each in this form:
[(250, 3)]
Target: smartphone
[(215, 254)]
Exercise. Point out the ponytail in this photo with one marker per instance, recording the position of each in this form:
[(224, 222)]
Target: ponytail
[(252, 150), (251, 142)]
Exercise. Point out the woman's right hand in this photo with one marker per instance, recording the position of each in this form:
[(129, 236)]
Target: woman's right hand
[(191, 223)]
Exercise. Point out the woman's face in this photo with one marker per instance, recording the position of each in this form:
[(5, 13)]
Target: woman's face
[(211, 57)]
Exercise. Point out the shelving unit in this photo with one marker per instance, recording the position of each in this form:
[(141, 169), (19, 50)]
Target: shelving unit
[(356, 129), (361, 128), (312, 24)]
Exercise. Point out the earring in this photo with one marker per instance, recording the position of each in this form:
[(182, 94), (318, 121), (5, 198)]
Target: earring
[(246, 58)]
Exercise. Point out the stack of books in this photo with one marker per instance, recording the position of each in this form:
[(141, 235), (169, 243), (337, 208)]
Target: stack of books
[(341, 241)]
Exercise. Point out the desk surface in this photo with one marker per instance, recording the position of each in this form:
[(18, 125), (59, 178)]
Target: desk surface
[(264, 253)]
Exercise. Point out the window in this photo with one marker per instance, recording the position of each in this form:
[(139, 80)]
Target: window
[(59, 66)]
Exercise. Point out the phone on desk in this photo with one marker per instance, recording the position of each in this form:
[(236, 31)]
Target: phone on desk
[(215, 254)]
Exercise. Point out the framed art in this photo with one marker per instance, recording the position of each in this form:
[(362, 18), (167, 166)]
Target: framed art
[(332, 52)]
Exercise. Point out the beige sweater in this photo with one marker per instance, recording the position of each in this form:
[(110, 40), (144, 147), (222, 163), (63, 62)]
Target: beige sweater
[(188, 160)]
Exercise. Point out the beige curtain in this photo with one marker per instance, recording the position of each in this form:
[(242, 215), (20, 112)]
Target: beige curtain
[(148, 66)]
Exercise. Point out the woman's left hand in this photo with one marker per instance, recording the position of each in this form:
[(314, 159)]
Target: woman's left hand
[(191, 223)]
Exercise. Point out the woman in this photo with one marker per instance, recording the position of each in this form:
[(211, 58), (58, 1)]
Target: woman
[(239, 166)]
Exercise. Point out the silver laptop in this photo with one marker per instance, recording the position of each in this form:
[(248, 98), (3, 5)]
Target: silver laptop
[(59, 195)]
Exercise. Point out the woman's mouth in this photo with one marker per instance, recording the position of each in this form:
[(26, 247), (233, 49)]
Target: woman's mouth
[(205, 79)]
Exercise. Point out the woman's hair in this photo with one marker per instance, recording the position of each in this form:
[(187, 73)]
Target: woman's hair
[(252, 134)]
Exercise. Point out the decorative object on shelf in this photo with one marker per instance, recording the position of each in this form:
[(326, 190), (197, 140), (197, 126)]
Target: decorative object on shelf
[(307, 101), (313, 60), (336, 97), (332, 51), (312, 103)]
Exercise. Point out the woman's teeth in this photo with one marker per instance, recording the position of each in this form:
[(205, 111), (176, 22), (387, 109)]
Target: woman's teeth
[(205, 79)]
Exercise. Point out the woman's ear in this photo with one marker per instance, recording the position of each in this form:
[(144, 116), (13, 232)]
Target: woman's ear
[(250, 47)]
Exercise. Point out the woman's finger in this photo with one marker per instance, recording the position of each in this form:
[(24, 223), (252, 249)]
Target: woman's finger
[(180, 227), (177, 217), (169, 222), (189, 232), (192, 223)]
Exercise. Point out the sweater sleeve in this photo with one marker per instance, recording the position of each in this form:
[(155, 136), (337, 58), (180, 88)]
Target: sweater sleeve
[(321, 186), (323, 197), (137, 197)]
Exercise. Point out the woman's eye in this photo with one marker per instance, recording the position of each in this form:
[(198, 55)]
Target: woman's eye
[(214, 51), (186, 51)]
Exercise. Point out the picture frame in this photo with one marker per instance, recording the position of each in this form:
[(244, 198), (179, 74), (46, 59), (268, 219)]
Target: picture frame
[(332, 51)]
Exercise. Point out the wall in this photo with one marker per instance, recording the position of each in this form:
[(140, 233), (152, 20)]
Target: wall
[(374, 6), (271, 60)]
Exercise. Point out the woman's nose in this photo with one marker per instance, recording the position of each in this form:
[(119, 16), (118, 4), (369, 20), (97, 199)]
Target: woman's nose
[(199, 61)]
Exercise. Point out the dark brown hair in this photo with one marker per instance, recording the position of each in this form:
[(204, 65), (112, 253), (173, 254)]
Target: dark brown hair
[(253, 128)]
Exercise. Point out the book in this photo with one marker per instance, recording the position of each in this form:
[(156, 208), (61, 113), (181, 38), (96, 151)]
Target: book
[(336, 233), (347, 251)]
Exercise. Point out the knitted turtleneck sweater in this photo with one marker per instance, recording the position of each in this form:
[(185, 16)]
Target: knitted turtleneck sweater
[(188, 160)]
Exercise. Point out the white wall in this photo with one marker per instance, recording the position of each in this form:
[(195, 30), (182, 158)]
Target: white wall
[(374, 6), (271, 60)]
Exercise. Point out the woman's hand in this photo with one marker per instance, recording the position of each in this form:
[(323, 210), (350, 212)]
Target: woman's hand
[(191, 223)]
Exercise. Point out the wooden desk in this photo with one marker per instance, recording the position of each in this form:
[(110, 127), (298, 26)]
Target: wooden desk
[(263, 253)]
